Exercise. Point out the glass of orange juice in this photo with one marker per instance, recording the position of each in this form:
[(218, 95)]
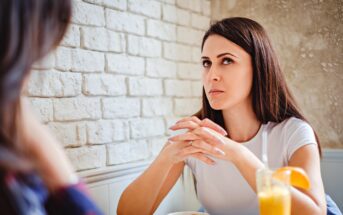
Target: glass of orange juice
[(273, 195)]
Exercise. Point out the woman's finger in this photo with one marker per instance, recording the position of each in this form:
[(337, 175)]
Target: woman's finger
[(189, 150), (210, 124), (188, 136), (207, 148), (203, 158), (191, 118), (193, 122), (191, 125), (209, 135)]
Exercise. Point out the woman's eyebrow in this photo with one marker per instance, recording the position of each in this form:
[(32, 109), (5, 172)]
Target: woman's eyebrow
[(226, 53), (220, 55)]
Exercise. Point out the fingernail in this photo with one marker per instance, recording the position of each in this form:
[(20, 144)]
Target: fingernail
[(220, 152)]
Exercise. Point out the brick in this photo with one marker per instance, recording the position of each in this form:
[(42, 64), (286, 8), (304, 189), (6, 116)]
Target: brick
[(161, 30), (72, 37), (196, 55), (157, 67), (63, 58), (99, 2), (174, 51), (145, 86), (169, 1), (197, 88), (116, 4), (143, 46), (84, 158), (156, 145), (189, 71), (123, 21), (176, 15), (43, 108), (169, 13), (104, 84), (200, 22), (206, 8), (88, 14), (194, 5), (187, 106), (54, 84), (127, 152), (157, 106), (148, 8), (69, 134), (66, 109), (189, 36), (178, 88), (87, 61), (183, 17), (116, 41), (141, 128), (94, 38), (184, 3), (121, 107), (123, 64), (105, 131)]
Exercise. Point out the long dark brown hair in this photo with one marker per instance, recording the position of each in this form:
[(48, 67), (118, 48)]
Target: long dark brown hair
[(271, 98), (29, 29)]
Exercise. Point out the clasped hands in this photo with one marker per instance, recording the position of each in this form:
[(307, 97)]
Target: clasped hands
[(203, 138)]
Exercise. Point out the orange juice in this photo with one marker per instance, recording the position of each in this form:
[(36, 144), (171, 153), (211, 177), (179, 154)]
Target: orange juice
[(273, 194), (275, 200)]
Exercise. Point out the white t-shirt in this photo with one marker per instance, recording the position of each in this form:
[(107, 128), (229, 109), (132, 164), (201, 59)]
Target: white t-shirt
[(221, 188)]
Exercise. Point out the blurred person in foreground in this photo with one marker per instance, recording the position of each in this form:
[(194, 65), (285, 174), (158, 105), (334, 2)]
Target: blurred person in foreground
[(35, 174)]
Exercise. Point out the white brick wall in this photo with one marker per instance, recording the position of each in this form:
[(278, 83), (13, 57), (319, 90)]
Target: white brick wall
[(124, 73), (145, 47), (104, 84), (145, 86), (120, 107)]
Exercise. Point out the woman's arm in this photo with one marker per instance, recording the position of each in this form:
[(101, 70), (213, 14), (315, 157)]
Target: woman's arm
[(145, 194), (310, 202)]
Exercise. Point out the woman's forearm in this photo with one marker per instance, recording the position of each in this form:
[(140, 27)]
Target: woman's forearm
[(140, 196), (247, 163)]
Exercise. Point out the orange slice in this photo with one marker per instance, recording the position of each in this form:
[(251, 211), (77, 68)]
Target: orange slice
[(295, 176)]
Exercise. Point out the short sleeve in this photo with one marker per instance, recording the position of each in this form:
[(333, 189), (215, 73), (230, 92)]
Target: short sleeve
[(298, 134)]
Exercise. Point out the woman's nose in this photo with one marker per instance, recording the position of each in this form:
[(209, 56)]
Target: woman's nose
[(213, 74)]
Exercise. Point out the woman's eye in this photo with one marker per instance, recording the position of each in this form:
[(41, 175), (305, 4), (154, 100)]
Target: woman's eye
[(206, 63), (227, 61)]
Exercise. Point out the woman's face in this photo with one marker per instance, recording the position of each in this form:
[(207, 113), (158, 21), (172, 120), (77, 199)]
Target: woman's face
[(227, 73)]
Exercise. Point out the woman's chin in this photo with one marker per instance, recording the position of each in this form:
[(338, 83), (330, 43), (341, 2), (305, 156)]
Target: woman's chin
[(216, 106)]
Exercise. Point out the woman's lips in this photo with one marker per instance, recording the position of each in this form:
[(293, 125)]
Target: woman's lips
[(215, 92)]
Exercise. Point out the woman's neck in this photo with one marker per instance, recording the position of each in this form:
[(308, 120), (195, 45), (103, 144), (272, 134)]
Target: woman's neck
[(241, 122)]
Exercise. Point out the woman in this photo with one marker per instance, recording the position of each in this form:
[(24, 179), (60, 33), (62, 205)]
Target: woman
[(35, 175), (244, 92)]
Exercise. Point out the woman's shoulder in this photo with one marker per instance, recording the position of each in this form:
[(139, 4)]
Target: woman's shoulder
[(291, 125)]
